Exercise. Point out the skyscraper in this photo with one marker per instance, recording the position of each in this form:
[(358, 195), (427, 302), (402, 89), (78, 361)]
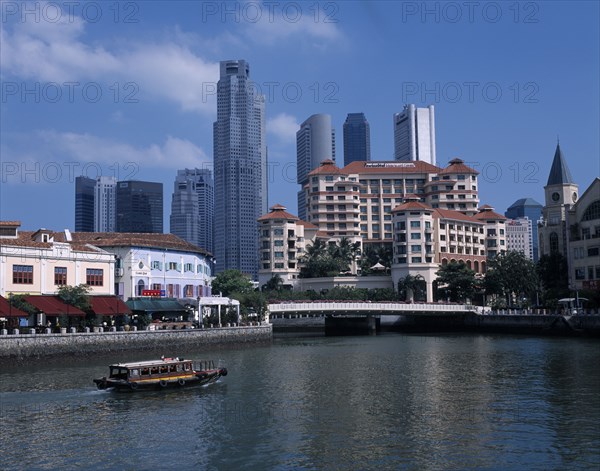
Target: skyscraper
[(315, 142), (84, 204), (532, 210), (240, 167), (95, 204), (357, 138), (193, 207), (139, 207), (414, 134)]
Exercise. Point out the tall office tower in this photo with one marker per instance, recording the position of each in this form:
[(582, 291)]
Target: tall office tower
[(532, 210), (357, 138), (139, 207), (240, 167), (95, 207), (84, 204), (315, 143), (193, 207), (414, 134), (105, 205)]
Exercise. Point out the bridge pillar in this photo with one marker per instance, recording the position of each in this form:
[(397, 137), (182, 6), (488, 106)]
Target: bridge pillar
[(429, 291)]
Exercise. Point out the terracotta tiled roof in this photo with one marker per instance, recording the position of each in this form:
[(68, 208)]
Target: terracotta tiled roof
[(10, 223), (412, 206), (458, 166), (133, 239), (390, 167), (278, 212), (488, 214), (485, 206), (307, 225), (24, 239), (327, 167), (6, 310), (456, 215)]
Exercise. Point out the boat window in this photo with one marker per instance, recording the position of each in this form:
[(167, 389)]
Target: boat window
[(154, 370), (145, 371), (179, 368), (187, 366), (172, 368), (164, 369), (134, 372), (118, 373)]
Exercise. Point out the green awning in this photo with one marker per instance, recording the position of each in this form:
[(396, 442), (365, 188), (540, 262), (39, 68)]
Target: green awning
[(155, 305)]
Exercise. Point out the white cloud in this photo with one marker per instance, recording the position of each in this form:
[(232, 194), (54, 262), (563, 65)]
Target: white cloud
[(56, 52), (283, 127), (272, 22), (49, 146)]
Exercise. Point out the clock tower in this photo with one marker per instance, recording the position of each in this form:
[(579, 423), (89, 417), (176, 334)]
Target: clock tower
[(561, 193)]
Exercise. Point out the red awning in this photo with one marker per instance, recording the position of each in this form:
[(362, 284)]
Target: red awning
[(6, 310), (108, 306), (53, 306)]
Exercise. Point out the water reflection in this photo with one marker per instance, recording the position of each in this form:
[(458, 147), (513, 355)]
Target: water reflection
[(414, 402)]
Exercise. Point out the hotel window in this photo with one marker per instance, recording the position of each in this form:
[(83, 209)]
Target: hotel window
[(415, 235), (415, 259), (415, 248), (60, 276), (189, 267), (23, 274), (278, 243), (415, 224), (156, 265), (278, 254), (94, 277), (279, 265)]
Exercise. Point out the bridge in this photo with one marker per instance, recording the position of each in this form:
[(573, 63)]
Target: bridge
[(340, 317), (363, 308)]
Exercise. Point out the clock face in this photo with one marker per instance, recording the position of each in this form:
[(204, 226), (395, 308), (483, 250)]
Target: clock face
[(574, 197), (555, 196)]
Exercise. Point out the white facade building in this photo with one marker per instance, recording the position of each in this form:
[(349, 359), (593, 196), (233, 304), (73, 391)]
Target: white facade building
[(162, 263), (519, 236)]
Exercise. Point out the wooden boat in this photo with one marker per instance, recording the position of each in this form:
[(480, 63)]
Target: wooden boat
[(160, 374)]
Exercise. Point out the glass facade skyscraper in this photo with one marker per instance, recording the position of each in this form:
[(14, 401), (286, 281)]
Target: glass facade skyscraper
[(414, 134), (532, 210), (95, 204), (357, 138), (139, 207), (240, 168), (193, 207)]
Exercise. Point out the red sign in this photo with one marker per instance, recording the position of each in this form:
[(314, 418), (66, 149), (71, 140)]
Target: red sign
[(151, 292)]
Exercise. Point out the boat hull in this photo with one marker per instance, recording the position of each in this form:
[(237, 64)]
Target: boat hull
[(197, 379)]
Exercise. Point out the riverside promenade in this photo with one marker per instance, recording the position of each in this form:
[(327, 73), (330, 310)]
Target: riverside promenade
[(351, 317), (28, 344)]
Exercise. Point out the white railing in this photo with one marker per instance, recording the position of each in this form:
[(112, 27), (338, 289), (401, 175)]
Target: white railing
[(284, 308)]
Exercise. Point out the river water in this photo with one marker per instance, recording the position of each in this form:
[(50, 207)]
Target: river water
[(350, 403)]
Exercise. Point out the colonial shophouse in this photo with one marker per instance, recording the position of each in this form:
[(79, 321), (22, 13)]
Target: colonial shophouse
[(40, 262), (164, 264)]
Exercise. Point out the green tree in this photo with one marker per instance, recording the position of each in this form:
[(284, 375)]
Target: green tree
[(18, 301), (412, 287), (274, 284), (456, 281), (77, 296), (511, 275), (252, 302), (325, 260), (553, 274), (231, 281)]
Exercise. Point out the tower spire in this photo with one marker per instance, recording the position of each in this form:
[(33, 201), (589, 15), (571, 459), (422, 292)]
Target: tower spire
[(559, 172)]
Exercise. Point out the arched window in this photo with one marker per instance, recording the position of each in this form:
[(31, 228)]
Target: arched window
[(483, 267), (444, 261), (476, 266), (141, 286), (553, 242), (592, 211), (469, 264)]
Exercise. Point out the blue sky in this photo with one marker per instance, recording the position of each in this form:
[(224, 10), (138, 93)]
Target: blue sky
[(127, 89)]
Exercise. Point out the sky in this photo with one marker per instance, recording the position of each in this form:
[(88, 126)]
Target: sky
[(128, 89)]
